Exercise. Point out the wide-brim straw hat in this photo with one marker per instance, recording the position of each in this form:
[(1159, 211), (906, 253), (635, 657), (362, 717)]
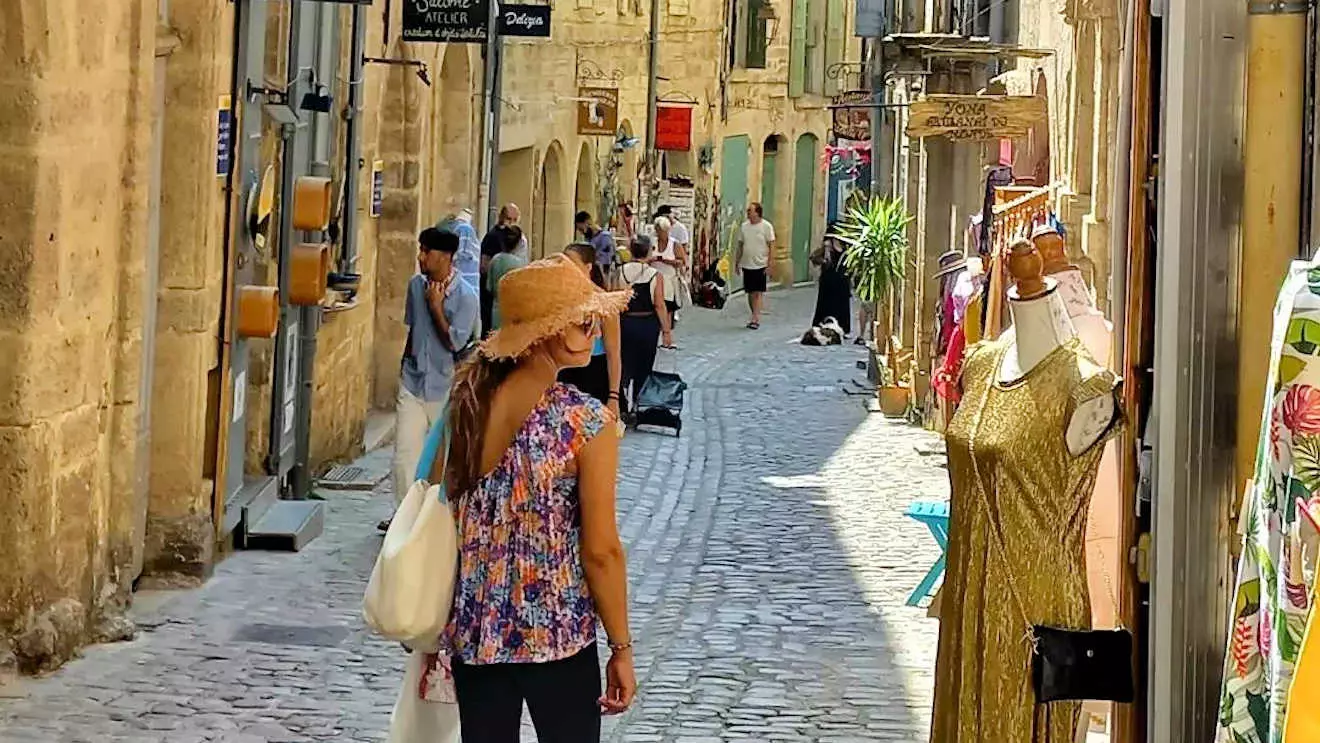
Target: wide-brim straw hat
[(542, 300), (951, 262)]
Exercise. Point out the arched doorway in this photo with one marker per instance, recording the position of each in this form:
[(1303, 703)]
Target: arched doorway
[(552, 222), (804, 203), (735, 156), (775, 181), (452, 174), (585, 198)]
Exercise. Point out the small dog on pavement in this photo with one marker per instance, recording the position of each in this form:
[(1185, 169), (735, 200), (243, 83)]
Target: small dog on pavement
[(828, 333)]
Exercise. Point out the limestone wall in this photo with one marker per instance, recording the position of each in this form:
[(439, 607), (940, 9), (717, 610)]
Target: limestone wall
[(75, 117)]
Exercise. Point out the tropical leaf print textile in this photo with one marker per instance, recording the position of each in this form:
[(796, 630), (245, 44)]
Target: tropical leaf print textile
[(1273, 602)]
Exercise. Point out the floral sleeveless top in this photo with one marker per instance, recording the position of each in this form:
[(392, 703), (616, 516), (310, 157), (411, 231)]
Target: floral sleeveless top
[(522, 593)]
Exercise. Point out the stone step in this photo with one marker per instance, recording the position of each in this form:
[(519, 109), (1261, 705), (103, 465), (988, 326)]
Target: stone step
[(248, 505), (288, 525)]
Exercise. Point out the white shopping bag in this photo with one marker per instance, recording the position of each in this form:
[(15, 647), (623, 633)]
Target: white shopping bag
[(411, 589), (418, 719), (666, 360)]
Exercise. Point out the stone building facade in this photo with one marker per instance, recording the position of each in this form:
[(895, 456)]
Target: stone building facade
[(137, 421)]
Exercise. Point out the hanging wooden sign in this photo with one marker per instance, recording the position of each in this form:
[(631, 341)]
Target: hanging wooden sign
[(852, 114), (598, 111), (454, 21), (975, 118)]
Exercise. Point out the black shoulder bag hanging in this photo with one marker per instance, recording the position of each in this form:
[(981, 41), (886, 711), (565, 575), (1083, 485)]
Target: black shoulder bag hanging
[(1066, 664)]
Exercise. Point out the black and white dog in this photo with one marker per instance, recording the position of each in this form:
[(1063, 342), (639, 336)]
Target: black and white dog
[(828, 333)]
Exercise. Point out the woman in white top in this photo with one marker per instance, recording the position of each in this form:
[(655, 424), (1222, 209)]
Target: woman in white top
[(669, 259)]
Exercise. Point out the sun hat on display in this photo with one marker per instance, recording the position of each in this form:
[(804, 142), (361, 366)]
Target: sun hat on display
[(542, 300)]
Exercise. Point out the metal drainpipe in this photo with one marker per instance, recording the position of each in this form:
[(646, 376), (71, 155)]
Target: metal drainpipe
[(1271, 196), (288, 173), (353, 141), (309, 323), (652, 95), (1121, 167)]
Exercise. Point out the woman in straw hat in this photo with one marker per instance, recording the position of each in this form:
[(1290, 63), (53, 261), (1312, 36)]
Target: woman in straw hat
[(532, 471)]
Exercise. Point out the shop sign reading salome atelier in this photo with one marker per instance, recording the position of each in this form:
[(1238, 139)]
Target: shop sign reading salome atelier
[(975, 118)]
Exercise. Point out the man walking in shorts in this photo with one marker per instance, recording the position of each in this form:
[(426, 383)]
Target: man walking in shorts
[(755, 242)]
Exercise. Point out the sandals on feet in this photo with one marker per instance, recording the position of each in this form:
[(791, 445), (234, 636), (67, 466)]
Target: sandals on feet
[(753, 326)]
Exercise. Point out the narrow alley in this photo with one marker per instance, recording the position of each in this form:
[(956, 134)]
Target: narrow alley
[(769, 559)]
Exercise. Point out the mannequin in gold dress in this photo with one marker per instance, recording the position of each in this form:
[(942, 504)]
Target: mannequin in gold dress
[(1024, 448)]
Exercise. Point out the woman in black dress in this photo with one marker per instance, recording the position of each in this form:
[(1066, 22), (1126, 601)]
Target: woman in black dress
[(645, 324), (834, 292)]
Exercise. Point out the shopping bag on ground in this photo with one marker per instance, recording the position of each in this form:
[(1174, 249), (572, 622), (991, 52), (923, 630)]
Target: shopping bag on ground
[(411, 589), (421, 715)]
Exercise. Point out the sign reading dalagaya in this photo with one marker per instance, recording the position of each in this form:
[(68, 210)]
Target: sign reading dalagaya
[(975, 118)]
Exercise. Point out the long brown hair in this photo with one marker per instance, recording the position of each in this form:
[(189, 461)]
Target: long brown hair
[(475, 382)]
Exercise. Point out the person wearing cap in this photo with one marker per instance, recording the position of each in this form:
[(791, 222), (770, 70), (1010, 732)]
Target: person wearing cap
[(531, 474), (441, 311)]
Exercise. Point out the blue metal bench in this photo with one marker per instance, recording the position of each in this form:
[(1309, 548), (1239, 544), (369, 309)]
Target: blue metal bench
[(935, 515)]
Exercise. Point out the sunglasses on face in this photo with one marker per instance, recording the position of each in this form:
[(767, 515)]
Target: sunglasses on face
[(590, 327)]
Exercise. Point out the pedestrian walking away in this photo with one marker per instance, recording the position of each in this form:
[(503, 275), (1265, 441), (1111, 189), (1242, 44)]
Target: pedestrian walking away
[(602, 378), (752, 249), (533, 470), (441, 312), (645, 323), (500, 265)]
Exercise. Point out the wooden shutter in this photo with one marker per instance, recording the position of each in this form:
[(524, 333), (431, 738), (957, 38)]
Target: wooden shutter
[(836, 41), (797, 50)]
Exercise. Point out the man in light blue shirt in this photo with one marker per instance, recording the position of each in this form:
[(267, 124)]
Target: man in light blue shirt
[(441, 313)]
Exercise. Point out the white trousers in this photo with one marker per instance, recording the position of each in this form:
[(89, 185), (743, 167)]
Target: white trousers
[(413, 419)]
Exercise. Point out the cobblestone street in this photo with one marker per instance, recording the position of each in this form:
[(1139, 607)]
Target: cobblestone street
[(768, 554)]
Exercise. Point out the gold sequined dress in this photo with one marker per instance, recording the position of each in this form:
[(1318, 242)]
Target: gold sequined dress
[(1011, 470)]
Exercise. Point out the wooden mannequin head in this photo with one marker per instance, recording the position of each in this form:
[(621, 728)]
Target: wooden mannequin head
[(1053, 251), (1027, 268)]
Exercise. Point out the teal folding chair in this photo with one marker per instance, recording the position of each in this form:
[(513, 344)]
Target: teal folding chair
[(935, 515)]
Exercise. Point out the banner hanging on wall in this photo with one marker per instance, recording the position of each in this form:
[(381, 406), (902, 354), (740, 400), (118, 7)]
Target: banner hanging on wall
[(673, 128)]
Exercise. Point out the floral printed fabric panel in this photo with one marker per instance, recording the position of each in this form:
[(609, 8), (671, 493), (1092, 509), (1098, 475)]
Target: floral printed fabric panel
[(1272, 601)]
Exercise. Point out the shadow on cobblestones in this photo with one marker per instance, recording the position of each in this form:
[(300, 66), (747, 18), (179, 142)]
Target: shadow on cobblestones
[(769, 563)]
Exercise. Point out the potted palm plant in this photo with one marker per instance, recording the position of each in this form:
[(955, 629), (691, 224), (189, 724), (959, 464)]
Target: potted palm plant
[(875, 235)]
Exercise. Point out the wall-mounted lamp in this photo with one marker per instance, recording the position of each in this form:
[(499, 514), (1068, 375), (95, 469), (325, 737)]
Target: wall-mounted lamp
[(766, 14), (423, 72)]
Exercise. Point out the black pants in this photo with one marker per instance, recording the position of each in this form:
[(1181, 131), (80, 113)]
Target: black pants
[(563, 697), (593, 379), (639, 336)]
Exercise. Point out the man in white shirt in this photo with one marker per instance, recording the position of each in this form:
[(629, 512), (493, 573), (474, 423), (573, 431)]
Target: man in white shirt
[(752, 249)]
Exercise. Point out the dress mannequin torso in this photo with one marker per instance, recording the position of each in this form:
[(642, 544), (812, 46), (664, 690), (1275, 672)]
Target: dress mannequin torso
[(1040, 325)]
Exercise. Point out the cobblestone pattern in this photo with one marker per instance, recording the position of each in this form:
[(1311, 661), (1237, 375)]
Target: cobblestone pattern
[(768, 556)]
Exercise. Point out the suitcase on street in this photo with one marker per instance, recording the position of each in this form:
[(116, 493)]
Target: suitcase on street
[(660, 401)]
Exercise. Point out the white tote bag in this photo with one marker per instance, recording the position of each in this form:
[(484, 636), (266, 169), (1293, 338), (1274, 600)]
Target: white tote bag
[(411, 589), (418, 719)]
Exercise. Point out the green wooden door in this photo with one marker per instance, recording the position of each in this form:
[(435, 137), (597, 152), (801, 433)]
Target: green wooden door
[(804, 204), (735, 156), (769, 177)]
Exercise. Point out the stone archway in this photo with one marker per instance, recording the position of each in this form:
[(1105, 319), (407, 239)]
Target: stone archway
[(805, 170), (552, 219), (452, 171), (585, 196)]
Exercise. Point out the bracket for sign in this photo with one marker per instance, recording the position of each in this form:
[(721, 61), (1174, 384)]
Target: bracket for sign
[(679, 97), (423, 72), (585, 70)]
